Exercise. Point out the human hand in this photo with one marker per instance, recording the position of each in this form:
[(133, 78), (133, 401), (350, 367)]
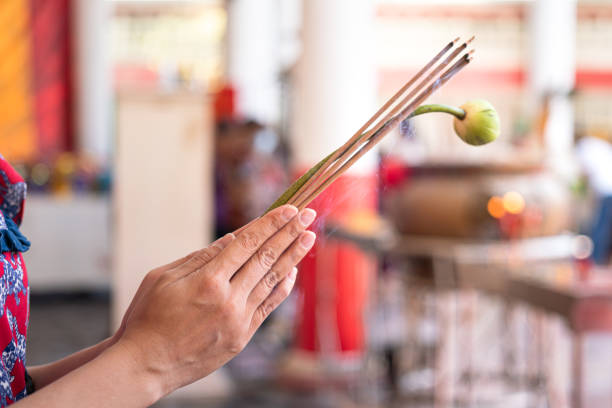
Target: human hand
[(193, 315), (150, 279)]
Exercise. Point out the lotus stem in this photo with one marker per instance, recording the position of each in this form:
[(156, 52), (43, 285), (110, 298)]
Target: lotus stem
[(456, 112), (293, 188)]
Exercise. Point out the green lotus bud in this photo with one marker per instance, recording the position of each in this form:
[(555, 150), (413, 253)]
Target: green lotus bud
[(480, 125)]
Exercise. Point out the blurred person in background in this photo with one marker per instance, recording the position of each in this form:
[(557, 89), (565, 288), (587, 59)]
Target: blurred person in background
[(595, 157), (187, 319), (246, 165)]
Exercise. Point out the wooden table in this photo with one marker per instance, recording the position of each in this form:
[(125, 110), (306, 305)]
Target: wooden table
[(515, 271), (586, 307)]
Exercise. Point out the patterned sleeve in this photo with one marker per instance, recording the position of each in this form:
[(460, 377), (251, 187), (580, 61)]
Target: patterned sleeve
[(12, 192), (14, 288)]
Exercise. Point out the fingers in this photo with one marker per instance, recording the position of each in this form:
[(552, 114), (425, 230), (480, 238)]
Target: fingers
[(250, 240), (199, 258), (278, 295), (253, 271), (280, 270)]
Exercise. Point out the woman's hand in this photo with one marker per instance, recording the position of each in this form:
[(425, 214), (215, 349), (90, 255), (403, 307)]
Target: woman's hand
[(191, 316)]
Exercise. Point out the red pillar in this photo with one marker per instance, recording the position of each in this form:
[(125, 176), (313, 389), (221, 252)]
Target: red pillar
[(335, 276), (335, 93)]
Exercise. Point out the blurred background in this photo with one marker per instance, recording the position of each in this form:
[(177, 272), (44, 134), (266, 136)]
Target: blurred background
[(444, 275)]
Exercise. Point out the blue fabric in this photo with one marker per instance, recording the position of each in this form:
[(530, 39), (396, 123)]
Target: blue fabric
[(601, 232), (11, 239)]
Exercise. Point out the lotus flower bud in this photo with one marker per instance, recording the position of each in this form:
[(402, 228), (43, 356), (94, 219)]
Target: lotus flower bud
[(480, 124)]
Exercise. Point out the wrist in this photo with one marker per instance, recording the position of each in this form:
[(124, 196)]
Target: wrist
[(111, 341), (106, 343), (146, 380)]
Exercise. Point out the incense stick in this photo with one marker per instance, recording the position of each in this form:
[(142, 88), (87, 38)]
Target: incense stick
[(311, 184), (306, 188), (388, 126), (325, 171)]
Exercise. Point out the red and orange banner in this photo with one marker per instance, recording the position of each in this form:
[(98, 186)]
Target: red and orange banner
[(17, 118), (34, 79)]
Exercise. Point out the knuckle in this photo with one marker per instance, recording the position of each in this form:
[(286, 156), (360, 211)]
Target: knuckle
[(235, 344), (265, 309), (277, 221), (297, 254), (213, 288), (165, 278), (294, 230), (260, 316), (271, 279), (283, 292), (267, 257), (154, 275), (248, 240), (202, 257)]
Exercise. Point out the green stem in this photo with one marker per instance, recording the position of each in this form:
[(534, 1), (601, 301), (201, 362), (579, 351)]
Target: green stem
[(286, 196), (293, 188), (456, 112)]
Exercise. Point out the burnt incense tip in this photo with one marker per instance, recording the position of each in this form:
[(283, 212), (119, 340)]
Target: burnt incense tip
[(467, 57)]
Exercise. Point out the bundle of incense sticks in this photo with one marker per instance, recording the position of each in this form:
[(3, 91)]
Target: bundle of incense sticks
[(391, 114)]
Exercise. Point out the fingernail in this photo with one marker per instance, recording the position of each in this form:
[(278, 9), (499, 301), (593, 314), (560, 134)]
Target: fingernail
[(289, 212), (293, 273), (307, 216), (308, 239)]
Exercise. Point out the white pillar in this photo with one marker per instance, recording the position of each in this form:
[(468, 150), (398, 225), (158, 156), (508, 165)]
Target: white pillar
[(92, 79), (253, 57), (335, 89), (334, 95), (552, 71)]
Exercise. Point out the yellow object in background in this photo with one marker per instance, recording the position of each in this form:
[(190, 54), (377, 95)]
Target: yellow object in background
[(17, 119), (61, 178), (365, 222), (514, 203)]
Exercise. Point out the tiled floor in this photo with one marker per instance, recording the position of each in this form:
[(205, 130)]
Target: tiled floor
[(61, 325)]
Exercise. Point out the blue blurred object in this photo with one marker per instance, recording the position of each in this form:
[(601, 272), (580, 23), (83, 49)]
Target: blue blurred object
[(407, 129), (601, 231)]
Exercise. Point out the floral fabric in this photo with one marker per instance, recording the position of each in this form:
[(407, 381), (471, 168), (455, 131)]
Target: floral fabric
[(14, 289)]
